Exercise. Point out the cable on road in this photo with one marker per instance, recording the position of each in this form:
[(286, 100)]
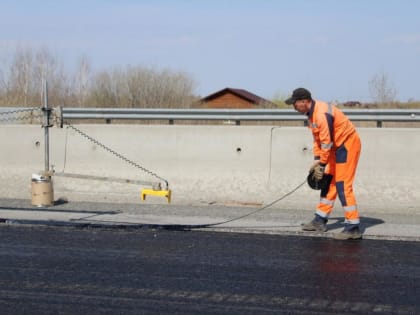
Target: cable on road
[(195, 226), (174, 227), (186, 227)]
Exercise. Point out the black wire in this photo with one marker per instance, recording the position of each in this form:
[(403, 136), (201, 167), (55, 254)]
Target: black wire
[(187, 227), (184, 226), (175, 227), (198, 226)]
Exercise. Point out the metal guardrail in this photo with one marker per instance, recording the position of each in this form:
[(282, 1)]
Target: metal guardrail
[(236, 115), (232, 115)]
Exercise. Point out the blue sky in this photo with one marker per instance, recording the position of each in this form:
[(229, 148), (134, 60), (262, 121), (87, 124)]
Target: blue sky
[(269, 47)]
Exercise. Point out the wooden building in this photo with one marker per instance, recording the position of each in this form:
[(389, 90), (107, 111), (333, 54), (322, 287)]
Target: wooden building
[(235, 98)]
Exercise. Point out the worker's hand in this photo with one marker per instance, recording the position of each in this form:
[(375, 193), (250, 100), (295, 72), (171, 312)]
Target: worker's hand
[(316, 162), (318, 171)]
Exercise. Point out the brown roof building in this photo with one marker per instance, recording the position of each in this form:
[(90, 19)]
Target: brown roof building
[(235, 98)]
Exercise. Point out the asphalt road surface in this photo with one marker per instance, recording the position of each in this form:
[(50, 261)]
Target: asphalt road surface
[(46, 270)]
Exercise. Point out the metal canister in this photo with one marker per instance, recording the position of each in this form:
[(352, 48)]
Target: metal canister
[(42, 191)]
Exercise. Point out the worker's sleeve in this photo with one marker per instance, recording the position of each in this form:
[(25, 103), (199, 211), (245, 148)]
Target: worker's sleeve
[(325, 123), (316, 146)]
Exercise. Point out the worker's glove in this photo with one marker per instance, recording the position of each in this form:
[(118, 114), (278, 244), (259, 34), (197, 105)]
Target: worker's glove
[(318, 170)]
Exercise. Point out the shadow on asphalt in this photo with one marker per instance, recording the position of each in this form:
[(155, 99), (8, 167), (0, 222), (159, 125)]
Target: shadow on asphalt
[(46, 209), (365, 222)]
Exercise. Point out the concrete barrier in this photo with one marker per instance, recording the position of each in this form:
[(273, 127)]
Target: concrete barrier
[(206, 164), (388, 174)]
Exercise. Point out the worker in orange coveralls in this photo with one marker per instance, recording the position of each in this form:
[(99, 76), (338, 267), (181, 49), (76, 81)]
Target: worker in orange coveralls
[(336, 151)]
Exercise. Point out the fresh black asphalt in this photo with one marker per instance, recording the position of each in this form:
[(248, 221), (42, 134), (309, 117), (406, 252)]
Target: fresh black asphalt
[(67, 270)]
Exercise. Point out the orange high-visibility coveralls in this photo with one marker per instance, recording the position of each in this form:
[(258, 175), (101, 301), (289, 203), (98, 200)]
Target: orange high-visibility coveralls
[(336, 145)]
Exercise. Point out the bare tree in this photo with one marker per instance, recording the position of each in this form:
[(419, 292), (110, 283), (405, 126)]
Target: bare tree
[(279, 99), (130, 86), (20, 86), (81, 80), (140, 87), (101, 93), (382, 89), (50, 68)]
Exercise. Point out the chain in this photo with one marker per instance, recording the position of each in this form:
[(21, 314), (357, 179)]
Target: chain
[(34, 113), (19, 110), (117, 154)]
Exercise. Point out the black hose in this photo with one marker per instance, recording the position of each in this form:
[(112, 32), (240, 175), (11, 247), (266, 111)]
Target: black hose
[(173, 227), (200, 226)]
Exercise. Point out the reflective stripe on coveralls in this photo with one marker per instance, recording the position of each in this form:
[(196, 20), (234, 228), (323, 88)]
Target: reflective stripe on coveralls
[(337, 145)]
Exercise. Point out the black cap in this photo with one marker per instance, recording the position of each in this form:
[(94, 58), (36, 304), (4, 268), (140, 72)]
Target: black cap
[(298, 94)]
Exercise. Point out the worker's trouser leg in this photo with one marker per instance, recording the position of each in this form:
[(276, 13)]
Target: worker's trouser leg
[(342, 166)]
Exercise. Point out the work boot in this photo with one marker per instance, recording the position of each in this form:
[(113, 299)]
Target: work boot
[(318, 224), (350, 232)]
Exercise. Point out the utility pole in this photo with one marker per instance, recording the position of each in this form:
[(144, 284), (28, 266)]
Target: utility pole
[(46, 125), (41, 188)]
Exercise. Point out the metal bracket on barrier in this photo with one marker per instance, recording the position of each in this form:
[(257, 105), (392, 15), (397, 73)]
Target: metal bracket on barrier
[(58, 116)]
